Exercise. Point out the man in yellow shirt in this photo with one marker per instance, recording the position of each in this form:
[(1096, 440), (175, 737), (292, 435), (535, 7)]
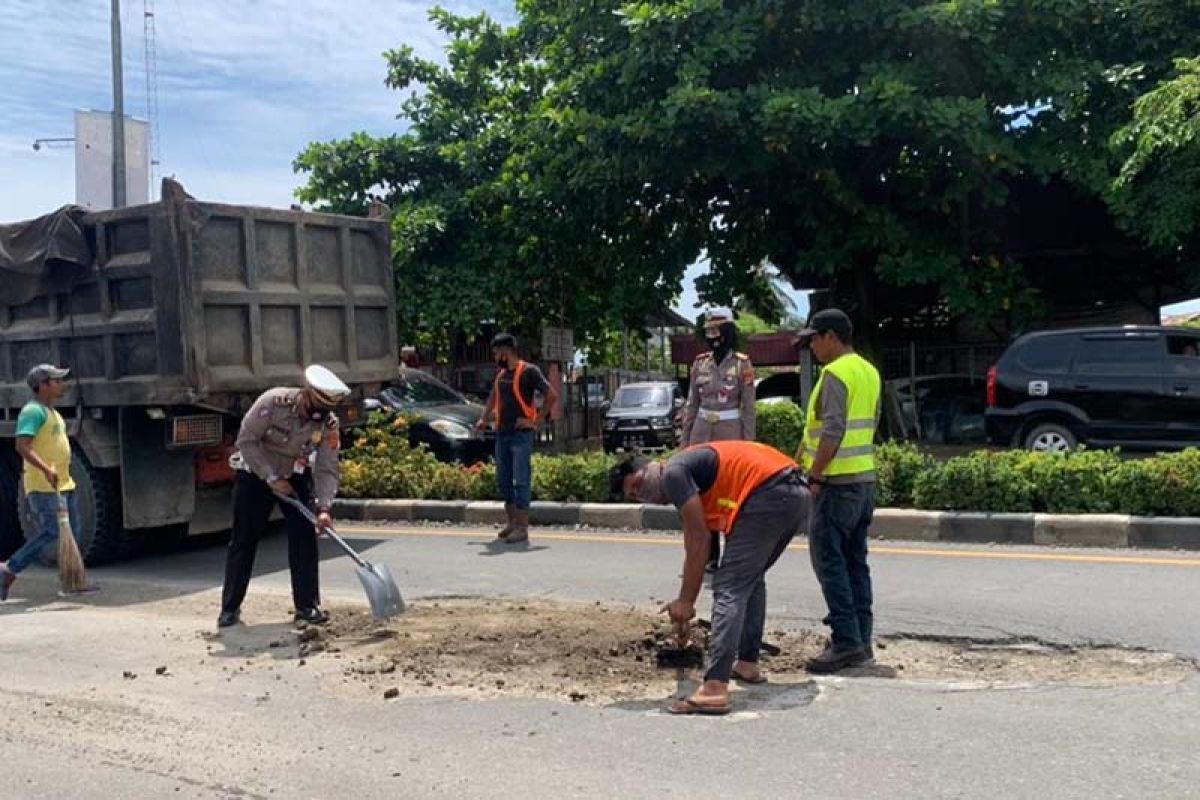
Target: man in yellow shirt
[(46, 450)]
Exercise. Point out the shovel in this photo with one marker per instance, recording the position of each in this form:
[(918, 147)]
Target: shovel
[(376, 579)]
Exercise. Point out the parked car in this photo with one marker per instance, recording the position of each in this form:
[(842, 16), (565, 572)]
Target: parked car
[(442, 418), (782, 387), (950, 409), (1136, 387), (644, 416)]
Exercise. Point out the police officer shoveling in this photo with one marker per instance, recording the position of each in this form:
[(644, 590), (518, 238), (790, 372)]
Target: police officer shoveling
[(288, 445)]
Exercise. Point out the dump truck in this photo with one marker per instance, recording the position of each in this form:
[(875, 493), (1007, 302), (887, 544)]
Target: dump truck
[(173, 317)]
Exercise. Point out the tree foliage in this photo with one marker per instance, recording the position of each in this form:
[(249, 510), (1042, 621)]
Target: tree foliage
[(571, 167), (1156, 189)]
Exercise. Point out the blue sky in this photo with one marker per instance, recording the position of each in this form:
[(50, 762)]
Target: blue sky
[(243, 87)]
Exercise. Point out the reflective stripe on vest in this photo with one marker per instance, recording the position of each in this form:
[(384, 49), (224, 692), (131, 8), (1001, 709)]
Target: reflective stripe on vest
[(741, 468), (528, 410), (857, 451)]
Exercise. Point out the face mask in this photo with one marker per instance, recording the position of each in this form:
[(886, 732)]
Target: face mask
[(650, 491), (502, 362)]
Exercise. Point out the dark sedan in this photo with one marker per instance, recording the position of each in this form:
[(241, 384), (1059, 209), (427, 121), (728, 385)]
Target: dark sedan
[(443, 419)]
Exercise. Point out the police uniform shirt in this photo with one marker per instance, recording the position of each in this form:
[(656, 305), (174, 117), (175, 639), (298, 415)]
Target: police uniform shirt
[(275, 441)]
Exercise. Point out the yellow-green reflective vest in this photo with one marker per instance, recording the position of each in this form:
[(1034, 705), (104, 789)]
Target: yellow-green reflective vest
[(857, 451)]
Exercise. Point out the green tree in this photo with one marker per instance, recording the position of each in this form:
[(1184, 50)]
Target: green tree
[(476, 235), (898, 152), (1158, 188)]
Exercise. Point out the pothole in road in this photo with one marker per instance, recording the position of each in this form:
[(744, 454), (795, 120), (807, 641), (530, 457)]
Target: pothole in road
[(603, 655)]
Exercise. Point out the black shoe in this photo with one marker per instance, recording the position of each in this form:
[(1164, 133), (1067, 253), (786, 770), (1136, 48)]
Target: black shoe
[(229, 619), (313, 616), (836, 658)]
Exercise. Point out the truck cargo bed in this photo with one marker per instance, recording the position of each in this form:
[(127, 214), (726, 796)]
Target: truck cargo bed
[(194, 303)]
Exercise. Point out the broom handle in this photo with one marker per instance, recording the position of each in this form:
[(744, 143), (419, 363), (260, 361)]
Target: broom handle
[(325, 529)]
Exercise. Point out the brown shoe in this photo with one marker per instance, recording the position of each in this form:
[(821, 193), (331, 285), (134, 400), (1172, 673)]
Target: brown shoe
[(7, 579), (506, 531), (520, 531)]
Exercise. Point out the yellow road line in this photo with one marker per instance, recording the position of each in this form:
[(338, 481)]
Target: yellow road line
[(1017, 555)]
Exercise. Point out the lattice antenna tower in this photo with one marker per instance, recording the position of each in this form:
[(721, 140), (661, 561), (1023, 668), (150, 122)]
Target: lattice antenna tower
[(151, 51)]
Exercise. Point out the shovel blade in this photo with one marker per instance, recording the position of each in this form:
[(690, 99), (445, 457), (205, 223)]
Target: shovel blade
[(381, 590)]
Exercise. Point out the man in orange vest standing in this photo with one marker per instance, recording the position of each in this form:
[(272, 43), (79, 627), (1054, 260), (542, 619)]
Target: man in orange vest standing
[(516, 417), (755, 496)]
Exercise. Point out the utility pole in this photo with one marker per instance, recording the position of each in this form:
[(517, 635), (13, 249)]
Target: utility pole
[(118, 117)]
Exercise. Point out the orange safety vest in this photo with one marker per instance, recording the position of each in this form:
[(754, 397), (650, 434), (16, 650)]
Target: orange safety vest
[(742, 468), (528, 409)]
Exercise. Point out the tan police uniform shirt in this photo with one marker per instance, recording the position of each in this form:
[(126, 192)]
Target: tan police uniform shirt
[(720, 390), (276, 442)]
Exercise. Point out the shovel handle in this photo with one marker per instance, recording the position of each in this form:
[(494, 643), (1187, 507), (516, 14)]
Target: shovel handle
[(325, 529)]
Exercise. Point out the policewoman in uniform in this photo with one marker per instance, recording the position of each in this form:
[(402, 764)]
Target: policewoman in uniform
[(838, 453), (755, 496), (720, 404), (279, 436)]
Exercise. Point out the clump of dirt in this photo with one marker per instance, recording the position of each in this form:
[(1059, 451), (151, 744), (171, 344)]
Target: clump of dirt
[(598, 654)]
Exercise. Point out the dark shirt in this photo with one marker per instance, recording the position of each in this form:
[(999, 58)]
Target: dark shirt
[(690, 473), (532, 380)]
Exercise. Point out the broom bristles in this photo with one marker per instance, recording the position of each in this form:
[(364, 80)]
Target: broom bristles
[(72, 575)]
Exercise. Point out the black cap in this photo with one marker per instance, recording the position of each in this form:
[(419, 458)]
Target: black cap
[(824, 321), (504, 340)]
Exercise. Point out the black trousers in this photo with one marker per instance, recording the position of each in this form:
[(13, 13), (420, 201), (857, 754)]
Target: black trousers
[(253, 502)]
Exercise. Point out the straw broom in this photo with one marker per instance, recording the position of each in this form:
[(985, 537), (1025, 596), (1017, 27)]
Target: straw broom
[(72, 575)]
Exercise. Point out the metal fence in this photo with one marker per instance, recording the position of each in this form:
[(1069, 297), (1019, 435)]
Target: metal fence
[(919, 360)]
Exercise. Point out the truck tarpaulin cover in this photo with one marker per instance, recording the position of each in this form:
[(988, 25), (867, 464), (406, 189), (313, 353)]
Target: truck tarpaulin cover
[(43, 255)]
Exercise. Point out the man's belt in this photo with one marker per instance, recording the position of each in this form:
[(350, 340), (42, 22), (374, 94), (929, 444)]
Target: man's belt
[(713, 417)]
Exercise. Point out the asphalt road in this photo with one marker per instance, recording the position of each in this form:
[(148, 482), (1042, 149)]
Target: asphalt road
[(1129, 597), (75, 728)]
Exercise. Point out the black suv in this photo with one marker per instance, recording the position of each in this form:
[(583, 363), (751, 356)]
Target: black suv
[(1136, 387), (643, 416)]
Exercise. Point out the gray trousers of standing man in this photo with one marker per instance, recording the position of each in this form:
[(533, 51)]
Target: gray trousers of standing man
[(770, 517)]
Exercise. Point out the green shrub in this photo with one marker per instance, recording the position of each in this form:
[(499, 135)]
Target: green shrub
[(897, 467), (1072, 483), (982, 481), (580, 477), (481, 482), (1167, 485), (780, 425), (379, 462)]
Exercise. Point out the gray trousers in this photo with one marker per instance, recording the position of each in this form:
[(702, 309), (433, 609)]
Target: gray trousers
[(772, 515)]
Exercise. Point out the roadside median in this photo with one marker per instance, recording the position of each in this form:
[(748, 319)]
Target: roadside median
[(901, 524)]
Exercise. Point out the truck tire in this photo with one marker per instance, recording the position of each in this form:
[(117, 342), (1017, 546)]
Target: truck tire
[(10, 521), (101, 537)]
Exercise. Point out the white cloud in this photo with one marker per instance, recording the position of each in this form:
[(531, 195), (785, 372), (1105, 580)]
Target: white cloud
[(243, 87)]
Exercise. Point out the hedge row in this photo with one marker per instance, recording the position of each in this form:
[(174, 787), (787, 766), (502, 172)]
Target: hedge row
[(380, 463)]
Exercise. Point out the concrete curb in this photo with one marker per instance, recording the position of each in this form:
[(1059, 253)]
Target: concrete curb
[(902, 524), (981, 528), (1084, 530)]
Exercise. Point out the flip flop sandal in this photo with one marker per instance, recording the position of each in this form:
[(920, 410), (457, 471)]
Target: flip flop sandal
[(690, 706), (737, 676)]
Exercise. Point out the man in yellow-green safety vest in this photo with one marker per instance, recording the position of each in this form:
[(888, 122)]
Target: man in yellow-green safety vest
[(838, 455)]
